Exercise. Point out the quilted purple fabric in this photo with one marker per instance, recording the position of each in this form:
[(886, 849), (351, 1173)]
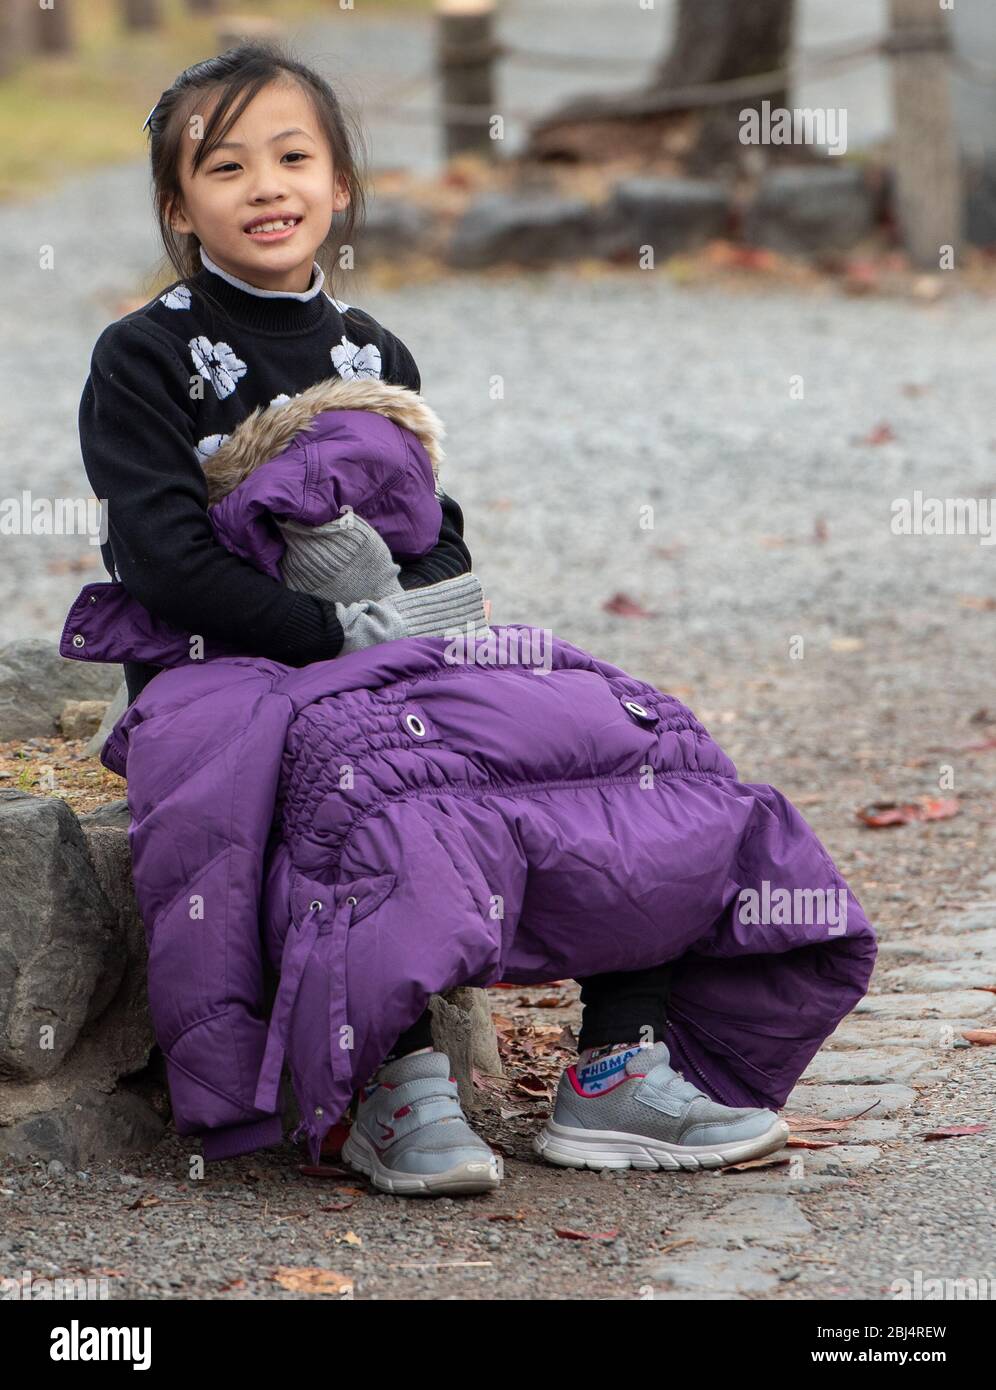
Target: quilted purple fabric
[(425, 814)]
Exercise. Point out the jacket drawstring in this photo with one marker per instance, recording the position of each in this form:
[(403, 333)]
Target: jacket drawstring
[(297, 949)]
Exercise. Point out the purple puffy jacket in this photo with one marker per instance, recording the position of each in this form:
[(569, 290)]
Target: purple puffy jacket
[(434, 812)]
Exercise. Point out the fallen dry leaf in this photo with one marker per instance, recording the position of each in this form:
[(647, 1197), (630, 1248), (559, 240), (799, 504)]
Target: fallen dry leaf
[(566, 1233), (881, 434), (532, 1085), (981, 1037), (305, 1279), (625, 607), (149, 1200), (325, 1170), (883, 813), (982, 747), (769, 1161), (953, 1131)]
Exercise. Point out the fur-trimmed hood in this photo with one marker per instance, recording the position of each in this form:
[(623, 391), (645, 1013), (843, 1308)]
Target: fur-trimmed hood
[(268, 430)]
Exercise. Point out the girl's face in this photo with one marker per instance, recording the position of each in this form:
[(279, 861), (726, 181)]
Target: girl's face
[(273, 163)]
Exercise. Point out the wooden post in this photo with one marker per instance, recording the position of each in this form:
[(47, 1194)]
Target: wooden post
[(54, 29), (17, 35), (141, 14), (465, 55), (927, 172)]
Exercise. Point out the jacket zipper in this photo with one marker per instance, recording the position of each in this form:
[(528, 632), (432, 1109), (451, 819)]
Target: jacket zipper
[(710, 1086)]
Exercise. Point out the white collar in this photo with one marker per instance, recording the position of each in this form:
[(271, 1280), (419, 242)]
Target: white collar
[(317, 281)]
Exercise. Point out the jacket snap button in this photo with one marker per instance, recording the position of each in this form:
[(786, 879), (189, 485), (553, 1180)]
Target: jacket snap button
[(79, 640), (415, 725), (636, 709), (315, 905), (352, 901), (93, 598), (319, 1110)]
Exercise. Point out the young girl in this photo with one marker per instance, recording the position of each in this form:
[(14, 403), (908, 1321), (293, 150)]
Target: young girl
[(252, 163)]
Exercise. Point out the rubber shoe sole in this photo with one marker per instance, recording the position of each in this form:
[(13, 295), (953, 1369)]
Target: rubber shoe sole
[(473, 1175), (607, 1148)]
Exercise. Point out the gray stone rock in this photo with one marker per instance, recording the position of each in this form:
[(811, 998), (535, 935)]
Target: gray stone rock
[(798, 211), (926, 979), (734, 1251), (951, 1003), (392, 228), (869, 1068), (120, 1036), (36, 681), (978, 945), (935, 1033), (842, 1161), (60, 960), (841, 1102), (980, 918), (81, 718), (529, 229), (717, 1273), (85, 1127), (112, 714), (112, 816), (670, 215)]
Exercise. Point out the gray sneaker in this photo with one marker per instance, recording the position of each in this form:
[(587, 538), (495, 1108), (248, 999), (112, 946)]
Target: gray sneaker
[(411, 1137), (652, 1118)]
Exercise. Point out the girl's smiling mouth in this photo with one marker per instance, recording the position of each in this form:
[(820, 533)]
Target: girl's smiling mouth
[(271, 228)]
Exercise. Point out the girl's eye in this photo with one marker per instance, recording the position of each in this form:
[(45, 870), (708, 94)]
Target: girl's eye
[(220, 168)]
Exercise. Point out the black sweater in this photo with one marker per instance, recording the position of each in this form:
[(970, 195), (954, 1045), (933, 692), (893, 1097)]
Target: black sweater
[(167, 383)]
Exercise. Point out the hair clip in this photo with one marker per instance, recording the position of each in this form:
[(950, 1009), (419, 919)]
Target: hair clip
[(149, 116)]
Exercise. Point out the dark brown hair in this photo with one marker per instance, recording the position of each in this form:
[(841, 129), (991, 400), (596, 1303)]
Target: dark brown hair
[(243, 71)]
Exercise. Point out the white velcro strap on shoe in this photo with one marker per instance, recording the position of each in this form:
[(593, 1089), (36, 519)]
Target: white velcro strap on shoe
[(424, 1112), (420, 1088)]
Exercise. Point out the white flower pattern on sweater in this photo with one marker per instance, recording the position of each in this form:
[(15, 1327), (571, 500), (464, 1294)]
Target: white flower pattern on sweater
[(209, 445), (217, 363), (176, 298), (353, 362)]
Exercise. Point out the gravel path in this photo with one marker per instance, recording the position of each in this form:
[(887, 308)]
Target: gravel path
[(771, 522)]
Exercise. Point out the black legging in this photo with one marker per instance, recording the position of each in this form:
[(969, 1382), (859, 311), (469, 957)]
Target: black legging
[(625, 1006)]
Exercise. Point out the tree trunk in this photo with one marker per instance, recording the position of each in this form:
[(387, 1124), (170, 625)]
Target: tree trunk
[(54, 29), (928, 181), (714, 41), (463, 1028)]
